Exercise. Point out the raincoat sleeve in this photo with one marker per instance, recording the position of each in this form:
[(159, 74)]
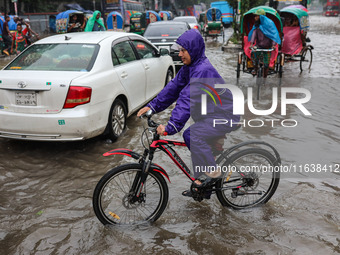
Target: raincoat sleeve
[(170, 93), (180, 114)]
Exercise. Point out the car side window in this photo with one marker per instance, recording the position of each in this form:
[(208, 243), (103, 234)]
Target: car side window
[(144, 50), (115, 60), (123, 52)]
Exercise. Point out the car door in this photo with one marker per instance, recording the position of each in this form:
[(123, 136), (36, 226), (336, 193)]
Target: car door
[(155, 69), (130, 71)]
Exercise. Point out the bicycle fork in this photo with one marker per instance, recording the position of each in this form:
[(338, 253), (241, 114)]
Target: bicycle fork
[(138, 183)]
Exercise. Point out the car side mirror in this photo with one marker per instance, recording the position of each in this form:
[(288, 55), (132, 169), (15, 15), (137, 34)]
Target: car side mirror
[(164, 52)]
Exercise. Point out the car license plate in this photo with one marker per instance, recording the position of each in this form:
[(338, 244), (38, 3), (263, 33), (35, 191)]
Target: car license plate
[(26, 98), (214, 32), (165, 47)]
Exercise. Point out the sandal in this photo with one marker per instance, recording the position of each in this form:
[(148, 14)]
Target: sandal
[(206, 181), (188, 193)]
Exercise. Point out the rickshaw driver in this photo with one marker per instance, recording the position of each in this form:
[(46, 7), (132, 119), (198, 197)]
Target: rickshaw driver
[(186, 89), (265, 34)]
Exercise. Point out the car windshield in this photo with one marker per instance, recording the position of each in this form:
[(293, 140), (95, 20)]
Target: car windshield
[(186, 19), (56, 57), (165, 30)]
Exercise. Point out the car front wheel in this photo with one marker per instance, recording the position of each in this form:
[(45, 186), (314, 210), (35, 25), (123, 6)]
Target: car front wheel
[(117, 119)]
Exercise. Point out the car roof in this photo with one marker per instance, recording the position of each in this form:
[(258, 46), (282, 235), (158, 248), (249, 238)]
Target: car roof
[(84, 37)]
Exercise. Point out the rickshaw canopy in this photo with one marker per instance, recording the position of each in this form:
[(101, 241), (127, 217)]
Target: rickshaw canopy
[(152, 16), (302, 16), (165, 15), (299, 6), (247, 20), (62, 20), (114, 20), (218, 14)]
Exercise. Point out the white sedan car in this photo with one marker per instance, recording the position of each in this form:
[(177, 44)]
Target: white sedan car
[(76, 86), (191, 20)]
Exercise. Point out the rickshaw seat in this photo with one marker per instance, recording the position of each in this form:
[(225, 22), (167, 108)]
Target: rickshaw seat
[(247, 51), (292, 43)]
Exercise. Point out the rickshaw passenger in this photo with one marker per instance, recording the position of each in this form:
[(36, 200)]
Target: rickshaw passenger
[(263, 39), (75, 25)]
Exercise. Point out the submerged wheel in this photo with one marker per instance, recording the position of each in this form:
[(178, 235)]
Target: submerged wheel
[(246, 183), (117, 119), (306, 59), (112, 200), (280, 71), (259, 81)]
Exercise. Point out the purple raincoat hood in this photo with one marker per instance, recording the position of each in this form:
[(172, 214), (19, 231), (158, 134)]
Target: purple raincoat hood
[(193, 42)]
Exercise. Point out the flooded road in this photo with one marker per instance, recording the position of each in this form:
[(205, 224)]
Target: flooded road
[(46, 188)]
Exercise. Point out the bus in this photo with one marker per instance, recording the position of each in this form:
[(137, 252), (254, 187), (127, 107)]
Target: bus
[(226, 10), (331, 8), (125, 7)]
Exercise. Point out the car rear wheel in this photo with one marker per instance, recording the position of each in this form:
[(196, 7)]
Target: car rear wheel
[(117, 119)]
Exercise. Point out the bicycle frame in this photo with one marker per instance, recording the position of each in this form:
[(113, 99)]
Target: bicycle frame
[(146, 161)]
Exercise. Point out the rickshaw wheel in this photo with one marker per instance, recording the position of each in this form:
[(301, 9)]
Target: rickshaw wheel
[(238, 70), (280, 71), (306, 59)]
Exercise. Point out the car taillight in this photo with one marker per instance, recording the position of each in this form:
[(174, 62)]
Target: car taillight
[(196, 27), (77, 96)]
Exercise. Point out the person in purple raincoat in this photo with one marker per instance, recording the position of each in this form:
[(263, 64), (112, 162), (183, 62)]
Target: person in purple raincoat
[(195, 78)]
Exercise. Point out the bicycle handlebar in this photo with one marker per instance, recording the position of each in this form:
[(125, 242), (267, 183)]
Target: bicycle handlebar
[(152, 124)]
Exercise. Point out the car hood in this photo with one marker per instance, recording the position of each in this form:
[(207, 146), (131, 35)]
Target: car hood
[(49, 88)]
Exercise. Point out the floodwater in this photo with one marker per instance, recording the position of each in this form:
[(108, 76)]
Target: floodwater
[(46, 188)]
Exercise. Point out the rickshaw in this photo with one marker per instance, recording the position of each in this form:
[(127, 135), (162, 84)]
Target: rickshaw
[(294, 46), (213, 24), (165, 15), (63, 18), (244, 57), (138, 23), (152, 16), (114, 21)]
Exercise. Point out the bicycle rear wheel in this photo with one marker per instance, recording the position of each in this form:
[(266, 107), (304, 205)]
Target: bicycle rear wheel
[(112, 201), (246, 183)]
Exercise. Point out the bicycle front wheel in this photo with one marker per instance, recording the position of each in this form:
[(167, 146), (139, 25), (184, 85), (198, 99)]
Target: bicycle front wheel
[(250, 177), (112, 197)]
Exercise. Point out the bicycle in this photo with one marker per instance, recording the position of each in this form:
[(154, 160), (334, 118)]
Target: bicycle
[(136, 193)]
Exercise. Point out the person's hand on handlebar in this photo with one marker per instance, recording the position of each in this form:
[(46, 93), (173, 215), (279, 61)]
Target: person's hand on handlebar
[(161, 130), (143, 110)]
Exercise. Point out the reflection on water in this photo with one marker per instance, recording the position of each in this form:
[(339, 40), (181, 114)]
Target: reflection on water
[(46, 188)]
